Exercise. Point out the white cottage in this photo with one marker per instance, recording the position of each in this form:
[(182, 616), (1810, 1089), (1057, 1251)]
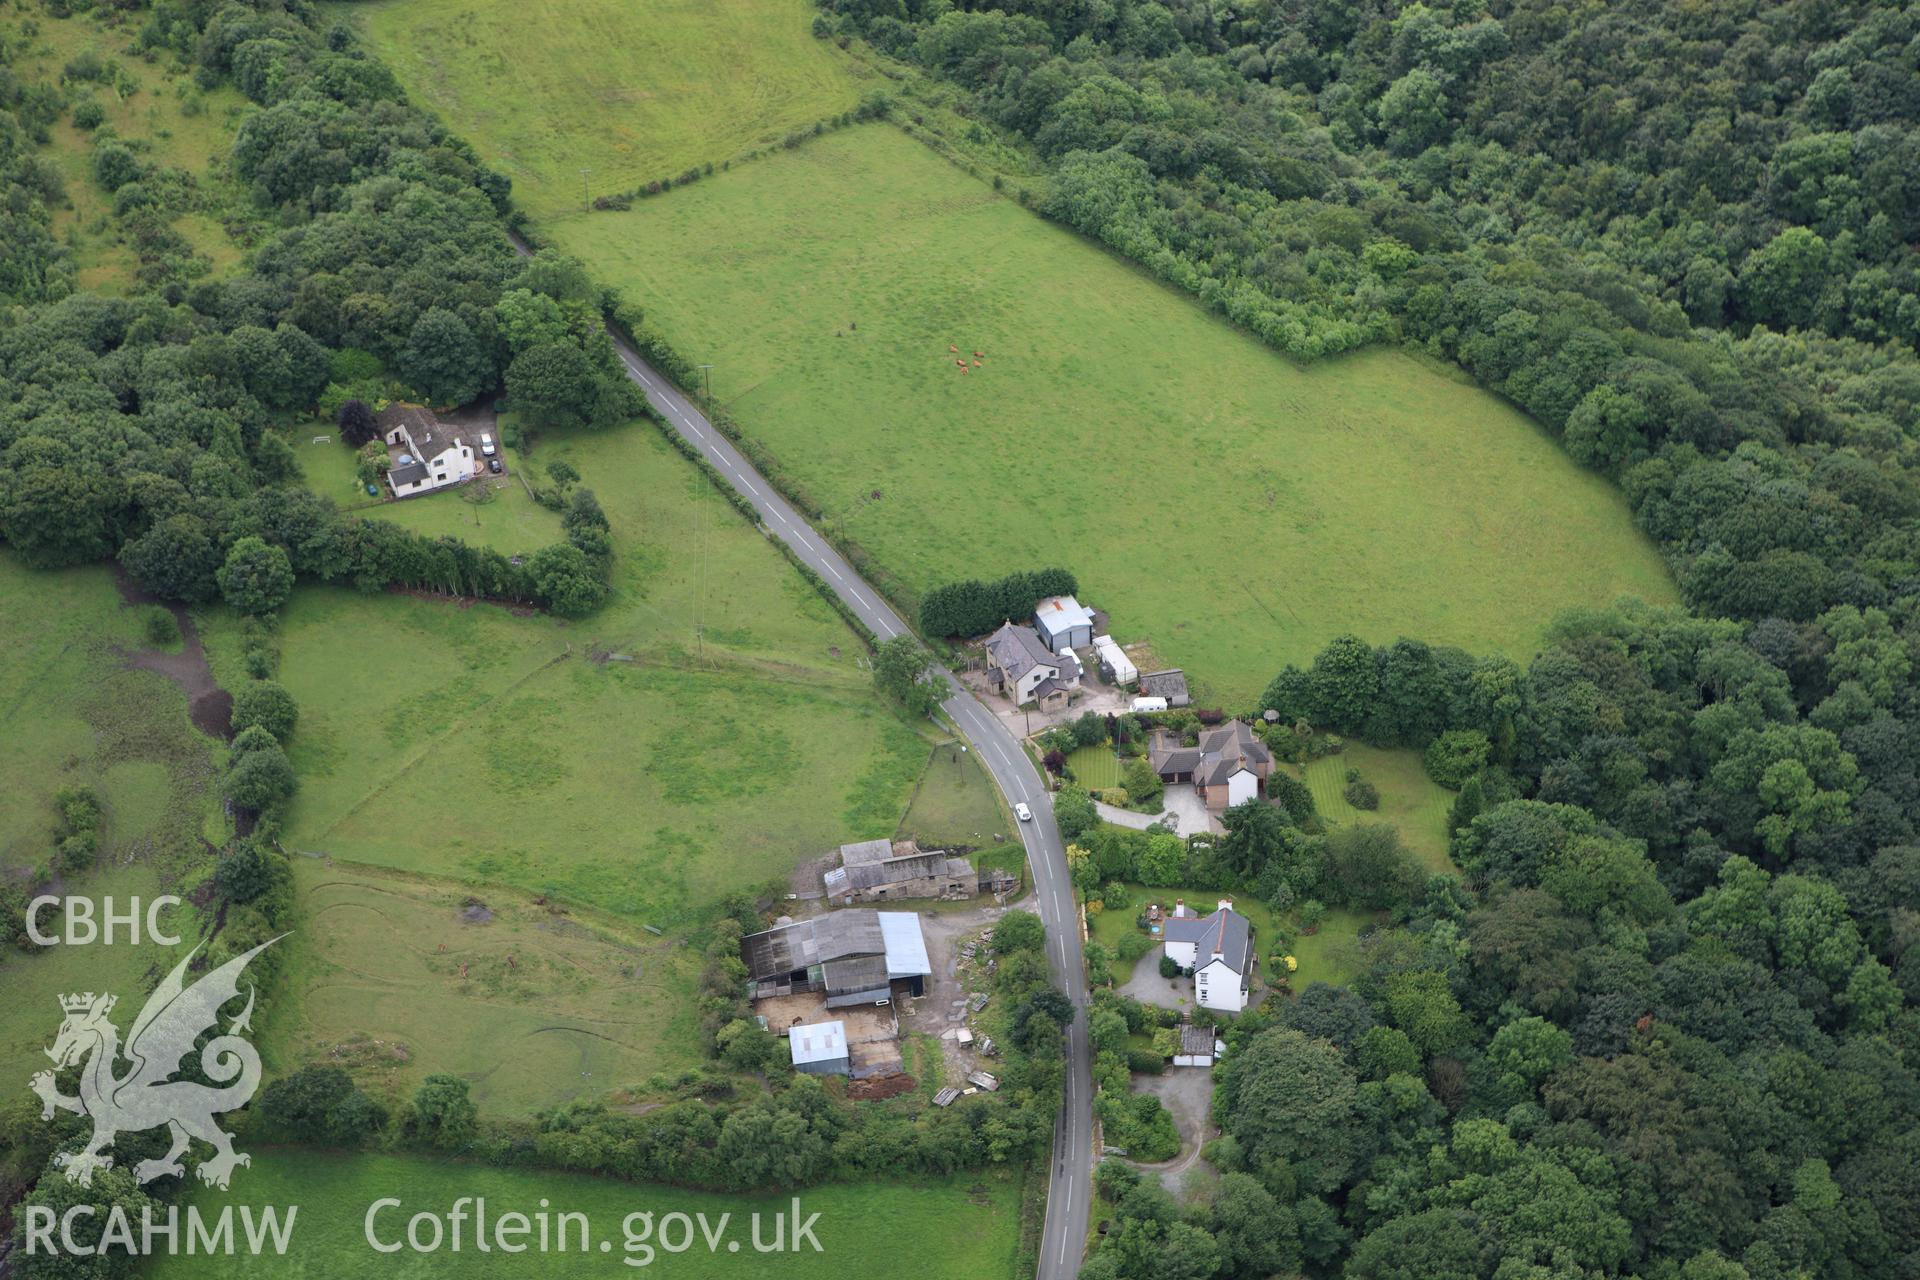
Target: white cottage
[(1218, 950), (427, 454)]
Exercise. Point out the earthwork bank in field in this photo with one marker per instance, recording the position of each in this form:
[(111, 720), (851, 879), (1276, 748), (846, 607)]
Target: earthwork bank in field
[(704, 732)]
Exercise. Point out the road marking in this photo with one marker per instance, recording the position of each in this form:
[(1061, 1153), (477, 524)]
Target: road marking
[(749, 484), (835, 572)]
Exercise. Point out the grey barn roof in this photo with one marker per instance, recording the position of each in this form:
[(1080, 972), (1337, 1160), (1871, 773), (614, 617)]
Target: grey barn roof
[(859, 949), (781, 950), (914, 866)]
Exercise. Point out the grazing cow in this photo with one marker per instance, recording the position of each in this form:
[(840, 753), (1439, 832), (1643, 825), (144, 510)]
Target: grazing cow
[(961, 363), (976, 364), (979, 355), (951, 347)]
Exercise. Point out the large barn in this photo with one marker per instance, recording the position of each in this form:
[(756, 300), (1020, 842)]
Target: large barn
[(854, 956)]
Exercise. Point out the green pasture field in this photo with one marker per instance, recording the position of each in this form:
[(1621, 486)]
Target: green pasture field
[(1410, 802), (705, 731), (72, 713), (631, 92), (396, 979), (34, 982), (960, 1228), (1245, 509), (955, 805), (166, 118)]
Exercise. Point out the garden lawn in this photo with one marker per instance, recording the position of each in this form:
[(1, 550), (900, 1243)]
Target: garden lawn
[(960, 1228), (1096, 768), (955, 804), (506, 518), (629, 90), (1410, 802), (1246, 510), (396, 978), (705, 731), (1331, 954)]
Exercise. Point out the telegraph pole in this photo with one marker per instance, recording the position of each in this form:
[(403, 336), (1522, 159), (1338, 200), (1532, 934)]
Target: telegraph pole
[(707, 372), (586, 201)]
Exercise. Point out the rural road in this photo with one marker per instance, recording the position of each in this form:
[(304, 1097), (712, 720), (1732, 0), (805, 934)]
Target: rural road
[(1070, 1182)]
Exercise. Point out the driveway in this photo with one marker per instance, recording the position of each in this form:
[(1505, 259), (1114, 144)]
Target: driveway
[(1025, 722), (1185, 803), (1147, 986), (1187, 1094), (1181, 809)]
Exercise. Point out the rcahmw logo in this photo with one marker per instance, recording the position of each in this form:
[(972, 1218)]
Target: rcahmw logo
[(145, 1096)]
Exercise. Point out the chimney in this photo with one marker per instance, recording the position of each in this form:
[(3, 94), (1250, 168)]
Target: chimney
[(1225, 904), (1179, 907)]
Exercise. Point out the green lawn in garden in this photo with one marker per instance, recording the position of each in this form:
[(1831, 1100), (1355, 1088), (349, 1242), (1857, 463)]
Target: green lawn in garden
[(1246, 509), (1328, 955), (1410, 802), (629, 90), (960, 1228), (1096, 768), (704, 732), (490, 510), (1108, 927)]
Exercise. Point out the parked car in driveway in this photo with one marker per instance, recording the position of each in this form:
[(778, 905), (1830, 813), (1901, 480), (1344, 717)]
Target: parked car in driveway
[(1021, 811), (493, 465), (486, 445)]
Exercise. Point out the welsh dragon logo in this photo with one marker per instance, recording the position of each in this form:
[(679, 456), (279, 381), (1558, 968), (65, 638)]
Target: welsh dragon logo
[(145, 1097)]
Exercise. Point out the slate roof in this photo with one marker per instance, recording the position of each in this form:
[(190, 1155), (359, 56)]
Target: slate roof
[(1018, 650), (1166, 755), (1225, 750), (912, 866), (1226, 929), (1196, 1039), (412, 473)]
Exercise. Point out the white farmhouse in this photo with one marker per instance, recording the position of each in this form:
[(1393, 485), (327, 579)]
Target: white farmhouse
[(1218, 950), (427, 454)]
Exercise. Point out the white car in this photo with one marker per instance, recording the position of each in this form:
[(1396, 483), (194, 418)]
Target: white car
[(1021, 811), (486, 445)]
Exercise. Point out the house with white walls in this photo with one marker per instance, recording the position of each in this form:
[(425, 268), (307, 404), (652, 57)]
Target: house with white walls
[(1217, 949), (426, 453)]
